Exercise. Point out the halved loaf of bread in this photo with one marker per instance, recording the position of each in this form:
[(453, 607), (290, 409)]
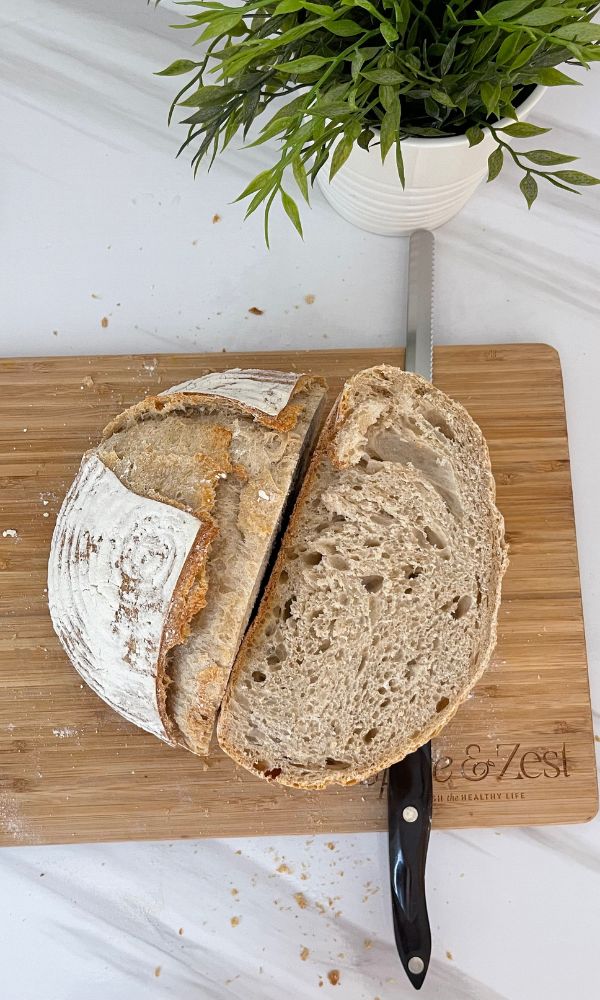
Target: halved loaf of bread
[(380, 614), (162, 542)]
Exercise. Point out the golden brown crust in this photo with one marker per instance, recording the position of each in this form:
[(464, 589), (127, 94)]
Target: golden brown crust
[(152, 406), (188, 599)]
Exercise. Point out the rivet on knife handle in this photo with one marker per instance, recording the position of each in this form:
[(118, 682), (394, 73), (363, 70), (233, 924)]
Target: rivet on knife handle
[(409, 811)]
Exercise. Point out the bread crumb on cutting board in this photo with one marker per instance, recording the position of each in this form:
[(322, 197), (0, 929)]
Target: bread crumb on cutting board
[(304, 953), (301, 900)]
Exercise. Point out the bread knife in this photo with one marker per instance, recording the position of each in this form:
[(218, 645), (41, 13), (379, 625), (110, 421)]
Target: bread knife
[(410, 785)]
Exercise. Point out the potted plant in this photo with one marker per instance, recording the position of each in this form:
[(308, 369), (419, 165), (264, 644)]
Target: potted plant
[(406, 104)]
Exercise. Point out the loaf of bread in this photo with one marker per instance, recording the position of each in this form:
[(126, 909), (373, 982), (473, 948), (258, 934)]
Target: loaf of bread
[(163, 539), (380, 613)]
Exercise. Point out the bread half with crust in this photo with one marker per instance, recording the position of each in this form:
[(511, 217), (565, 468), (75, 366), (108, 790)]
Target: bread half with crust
[(380, 614), (163, 539)]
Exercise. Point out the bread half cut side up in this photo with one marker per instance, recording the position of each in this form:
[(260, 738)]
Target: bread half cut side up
[(380, 614), (162, 542)]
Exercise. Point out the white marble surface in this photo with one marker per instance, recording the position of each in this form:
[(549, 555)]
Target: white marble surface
[(98, 220)]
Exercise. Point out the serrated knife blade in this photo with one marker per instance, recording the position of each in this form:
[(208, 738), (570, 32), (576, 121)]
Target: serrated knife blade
[(410, 782), (419, 331)]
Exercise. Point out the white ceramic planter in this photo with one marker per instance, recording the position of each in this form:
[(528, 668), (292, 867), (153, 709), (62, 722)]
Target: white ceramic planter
[(441, 175)]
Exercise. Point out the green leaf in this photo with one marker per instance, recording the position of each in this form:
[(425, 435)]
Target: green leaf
[(509, 48), (525, 56), (490, 95), (306, 64), (390, 128), (523, 130), (386, 76), (345, 28), (256, 201), (400, 162), (541, 16), (204, 96), (507, 10), (365, 138), (442, 97), (178, 67), (330, 109), (300, 176), (552, 77), (358, 58), (475, 135), (448, 55), (582, 32), (547, 158), (340, 155), (576, 177), (388, 96), (221, 25), (256, 183), (291, 210), (495, 163), (529, 189), (389, 32)]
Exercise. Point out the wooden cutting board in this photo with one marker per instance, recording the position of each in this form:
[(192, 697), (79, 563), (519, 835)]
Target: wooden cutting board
[(520, 751)]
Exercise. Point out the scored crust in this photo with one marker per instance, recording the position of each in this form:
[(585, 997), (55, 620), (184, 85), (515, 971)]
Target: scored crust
[(336, 445), (123, 576), (119, 634)]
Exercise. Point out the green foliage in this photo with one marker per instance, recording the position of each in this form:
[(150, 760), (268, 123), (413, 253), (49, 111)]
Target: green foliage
[(320, 77)]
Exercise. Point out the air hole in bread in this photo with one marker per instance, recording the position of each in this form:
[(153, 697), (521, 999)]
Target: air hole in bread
[(385, 703), (372, 584), (324, 645), (464, 605), (370, 735), (436, 539), (284, 576), (380, 517), (338, 519), (412, 572), (361, 664), (258, 676), (338, 562), (311, 558), (438, 422), (408, 590), (372, 543), (442, 704), (336, 765), (287, 610)]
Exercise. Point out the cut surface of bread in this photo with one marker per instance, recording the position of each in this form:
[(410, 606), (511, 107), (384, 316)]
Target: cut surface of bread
[(380, 614), (220, 469)]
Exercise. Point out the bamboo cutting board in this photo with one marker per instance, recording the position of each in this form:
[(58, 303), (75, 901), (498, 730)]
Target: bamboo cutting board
[(520, 751)]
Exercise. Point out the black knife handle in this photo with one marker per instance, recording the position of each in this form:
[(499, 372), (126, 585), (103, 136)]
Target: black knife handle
[(409, 812)]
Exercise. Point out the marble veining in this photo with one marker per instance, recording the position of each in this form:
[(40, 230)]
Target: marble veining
[(100, 222)]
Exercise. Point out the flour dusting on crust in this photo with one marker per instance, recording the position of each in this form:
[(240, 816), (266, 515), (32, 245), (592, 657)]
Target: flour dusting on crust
[(115, 562), (261, 390)]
